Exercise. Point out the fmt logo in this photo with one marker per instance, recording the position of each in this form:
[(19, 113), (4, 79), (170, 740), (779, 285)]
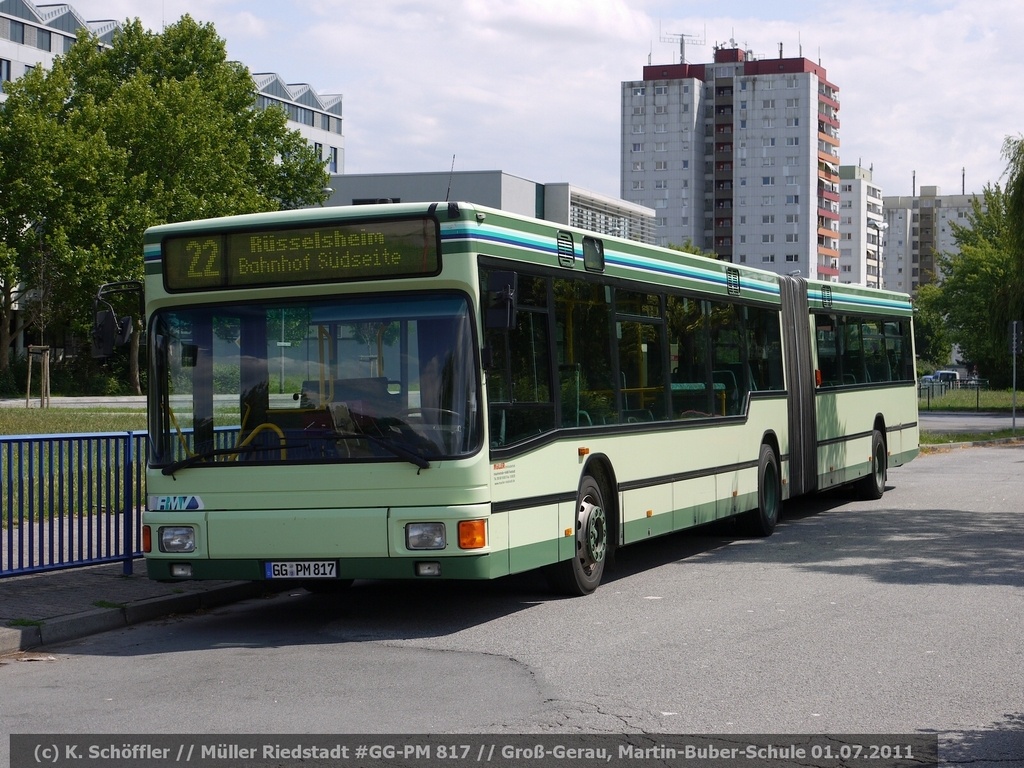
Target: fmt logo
[(175, 503)]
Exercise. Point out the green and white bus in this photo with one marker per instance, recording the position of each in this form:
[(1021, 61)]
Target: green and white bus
[(423, 391)]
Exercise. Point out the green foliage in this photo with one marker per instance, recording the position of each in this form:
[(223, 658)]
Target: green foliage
[(932, 340), (978, 295), (160, 127)]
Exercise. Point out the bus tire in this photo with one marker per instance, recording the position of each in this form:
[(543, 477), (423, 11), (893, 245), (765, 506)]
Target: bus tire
[(580, 574), (872, 486), (762, 521)]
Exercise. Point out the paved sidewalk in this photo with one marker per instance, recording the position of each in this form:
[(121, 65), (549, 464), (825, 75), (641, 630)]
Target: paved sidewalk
[(47, 608)]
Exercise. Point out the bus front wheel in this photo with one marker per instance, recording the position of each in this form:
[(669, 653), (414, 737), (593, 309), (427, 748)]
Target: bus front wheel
[(581, 574)]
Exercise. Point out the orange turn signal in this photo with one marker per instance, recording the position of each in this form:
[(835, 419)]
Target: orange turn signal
[(472, 534), (147, 539)]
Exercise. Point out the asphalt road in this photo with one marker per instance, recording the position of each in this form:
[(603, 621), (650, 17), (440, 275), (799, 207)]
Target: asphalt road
[(902, 615)]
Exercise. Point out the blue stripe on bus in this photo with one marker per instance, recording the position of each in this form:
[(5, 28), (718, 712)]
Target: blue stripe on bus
[(864, 301), (544, 245)]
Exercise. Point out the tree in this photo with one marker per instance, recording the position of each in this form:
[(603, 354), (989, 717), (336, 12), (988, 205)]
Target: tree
[(160, 127), (979, 286), (931, 335)]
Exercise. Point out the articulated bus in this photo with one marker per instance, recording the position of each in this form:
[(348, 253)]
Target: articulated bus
[(448, 391)]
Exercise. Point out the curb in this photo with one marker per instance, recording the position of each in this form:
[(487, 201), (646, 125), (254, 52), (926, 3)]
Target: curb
[(85, 623)]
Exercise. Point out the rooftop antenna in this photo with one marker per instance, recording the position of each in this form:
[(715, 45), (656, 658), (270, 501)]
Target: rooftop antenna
[(451, 173), (681, 38)]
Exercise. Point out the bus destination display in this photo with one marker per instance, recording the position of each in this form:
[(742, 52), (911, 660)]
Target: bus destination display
[(318, 254)]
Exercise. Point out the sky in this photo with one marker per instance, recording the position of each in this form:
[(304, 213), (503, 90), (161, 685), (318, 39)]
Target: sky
[(928, 89)]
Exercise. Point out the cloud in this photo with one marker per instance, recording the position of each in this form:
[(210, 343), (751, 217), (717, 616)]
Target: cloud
[(532, 87)]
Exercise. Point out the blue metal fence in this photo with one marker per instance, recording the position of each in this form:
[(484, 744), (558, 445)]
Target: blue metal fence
[(70, 500)]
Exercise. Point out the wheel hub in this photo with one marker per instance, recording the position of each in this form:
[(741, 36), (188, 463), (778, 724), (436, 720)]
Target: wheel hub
[(593, 533)]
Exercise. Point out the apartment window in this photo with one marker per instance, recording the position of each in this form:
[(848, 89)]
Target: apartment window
[(792, 102), (661, 184), (767, 142), (638, 128), (43, 39), (767, 161), (768, 200), (792, 237), (686, 163), (638, 185), (332, 163), (660, 90), (660, 146), (793, 141), (768, 238), (17, 32), (637, 147), (638, 111), (638, 165), (792, 122), (768, 104), (5, 73), (792, 199), (660, 128), (660, 109), (768, 122), (768, 258), (793, 258), (768, 218), (638, 90), (767, 181), (792, 218)]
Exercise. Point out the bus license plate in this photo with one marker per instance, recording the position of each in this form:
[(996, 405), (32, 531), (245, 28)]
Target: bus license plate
[(302, 569)]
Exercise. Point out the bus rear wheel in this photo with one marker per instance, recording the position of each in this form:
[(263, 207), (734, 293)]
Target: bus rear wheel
[(872, 486), (762, 521), (581, 574)]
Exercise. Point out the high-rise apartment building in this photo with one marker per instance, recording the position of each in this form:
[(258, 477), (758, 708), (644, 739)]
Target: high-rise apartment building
[(919, 230), (739, 156), (862, 228)]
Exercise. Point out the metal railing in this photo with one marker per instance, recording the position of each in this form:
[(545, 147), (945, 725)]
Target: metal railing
[(70, 500), (76, 499)]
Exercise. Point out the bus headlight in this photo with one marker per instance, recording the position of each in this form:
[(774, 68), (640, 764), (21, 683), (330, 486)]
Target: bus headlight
[(177, 539), (425, 536)]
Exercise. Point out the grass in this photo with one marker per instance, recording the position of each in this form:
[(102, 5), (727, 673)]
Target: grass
[(949, 438), (56, 421), (969, 399)]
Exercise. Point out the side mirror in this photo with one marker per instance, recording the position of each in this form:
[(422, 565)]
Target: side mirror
[(104, 334)]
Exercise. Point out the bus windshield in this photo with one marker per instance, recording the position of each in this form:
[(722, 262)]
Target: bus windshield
[(350, 379)]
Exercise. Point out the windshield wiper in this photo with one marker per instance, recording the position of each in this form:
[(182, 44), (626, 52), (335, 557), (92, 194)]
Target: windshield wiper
[(195, 458), (395, 448)]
